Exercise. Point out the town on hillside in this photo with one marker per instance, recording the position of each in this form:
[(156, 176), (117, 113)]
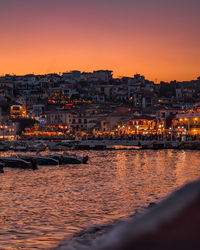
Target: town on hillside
[(84, 105)]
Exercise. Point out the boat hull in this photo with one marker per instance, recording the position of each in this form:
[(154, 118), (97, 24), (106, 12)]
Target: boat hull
[(71, 160), (40, 160), (16, 163), (43, 161), (74, 160)]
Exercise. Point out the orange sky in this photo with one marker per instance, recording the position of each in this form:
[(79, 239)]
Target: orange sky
[(156, 38)]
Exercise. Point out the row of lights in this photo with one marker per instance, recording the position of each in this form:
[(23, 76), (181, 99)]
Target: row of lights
[(186, 119), (3, 127)]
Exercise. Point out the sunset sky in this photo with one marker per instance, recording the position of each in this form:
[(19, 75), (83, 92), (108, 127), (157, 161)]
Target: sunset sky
[(157, 38)]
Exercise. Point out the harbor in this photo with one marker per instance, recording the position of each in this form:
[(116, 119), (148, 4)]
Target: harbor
[(55, 203), (99, 125)]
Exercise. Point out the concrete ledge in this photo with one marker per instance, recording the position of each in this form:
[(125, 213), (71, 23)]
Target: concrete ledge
[(172, 224)]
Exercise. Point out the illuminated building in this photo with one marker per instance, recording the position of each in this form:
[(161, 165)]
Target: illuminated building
[(188, 123), (17, 111), (58, 117), (141, 124), (164, 118), (8, 131)]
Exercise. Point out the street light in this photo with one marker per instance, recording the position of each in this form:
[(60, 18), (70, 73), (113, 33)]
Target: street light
[(137, 126)]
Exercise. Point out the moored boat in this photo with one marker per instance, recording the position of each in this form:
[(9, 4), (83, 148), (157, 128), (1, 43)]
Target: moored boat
[(4, 146), (30, 159), (73, 159), (69, 159), (13, 162), (46, 161), (1, 167), (37, 147), (40, 160), (52, 146), (57, 157), (20, 146)]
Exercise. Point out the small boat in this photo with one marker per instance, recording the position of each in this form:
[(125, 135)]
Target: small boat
[(52, 146), (13, 162), (73, 159), (23, 147), (57, 157), (37, 147), (40, 160), (2, 165), (69, 159), (64, 145), (4, 146), (46, 161), (30, 159)]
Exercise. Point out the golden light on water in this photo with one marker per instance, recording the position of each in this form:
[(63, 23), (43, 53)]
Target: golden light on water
[(41, 208)]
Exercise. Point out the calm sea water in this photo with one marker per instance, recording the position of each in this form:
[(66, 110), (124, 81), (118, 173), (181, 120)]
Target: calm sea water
[(40, 208)]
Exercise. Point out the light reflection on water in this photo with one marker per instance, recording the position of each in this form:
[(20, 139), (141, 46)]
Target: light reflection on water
[(40, 208)]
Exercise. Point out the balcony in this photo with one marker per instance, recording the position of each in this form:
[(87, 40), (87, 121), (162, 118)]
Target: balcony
[(187, 115)]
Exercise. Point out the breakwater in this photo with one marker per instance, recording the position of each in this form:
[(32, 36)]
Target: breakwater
[(95, 144), (135, 144)]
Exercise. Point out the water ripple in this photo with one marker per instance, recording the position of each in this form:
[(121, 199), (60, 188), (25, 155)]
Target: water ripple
[(40, 208)]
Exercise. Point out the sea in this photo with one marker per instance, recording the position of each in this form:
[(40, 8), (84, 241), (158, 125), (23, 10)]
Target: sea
[(40, 209)]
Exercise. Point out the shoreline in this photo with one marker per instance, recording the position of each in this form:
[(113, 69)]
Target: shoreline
[(62, 145)]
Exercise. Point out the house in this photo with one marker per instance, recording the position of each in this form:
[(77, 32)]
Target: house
[(58, 117), (103, 75), (187, 122)]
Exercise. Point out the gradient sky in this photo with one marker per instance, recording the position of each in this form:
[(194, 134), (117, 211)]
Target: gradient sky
[(157, 38)]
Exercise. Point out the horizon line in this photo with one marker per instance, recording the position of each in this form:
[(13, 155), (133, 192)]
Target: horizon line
[(156, 80)]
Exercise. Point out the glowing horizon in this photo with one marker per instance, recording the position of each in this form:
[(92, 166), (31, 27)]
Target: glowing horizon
[(155, 38)]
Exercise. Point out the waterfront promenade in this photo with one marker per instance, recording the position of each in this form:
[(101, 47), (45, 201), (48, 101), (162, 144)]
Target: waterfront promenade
[(92, 143)]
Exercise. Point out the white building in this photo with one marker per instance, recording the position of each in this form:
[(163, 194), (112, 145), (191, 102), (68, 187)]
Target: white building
[(58, 117), (103, 75)]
